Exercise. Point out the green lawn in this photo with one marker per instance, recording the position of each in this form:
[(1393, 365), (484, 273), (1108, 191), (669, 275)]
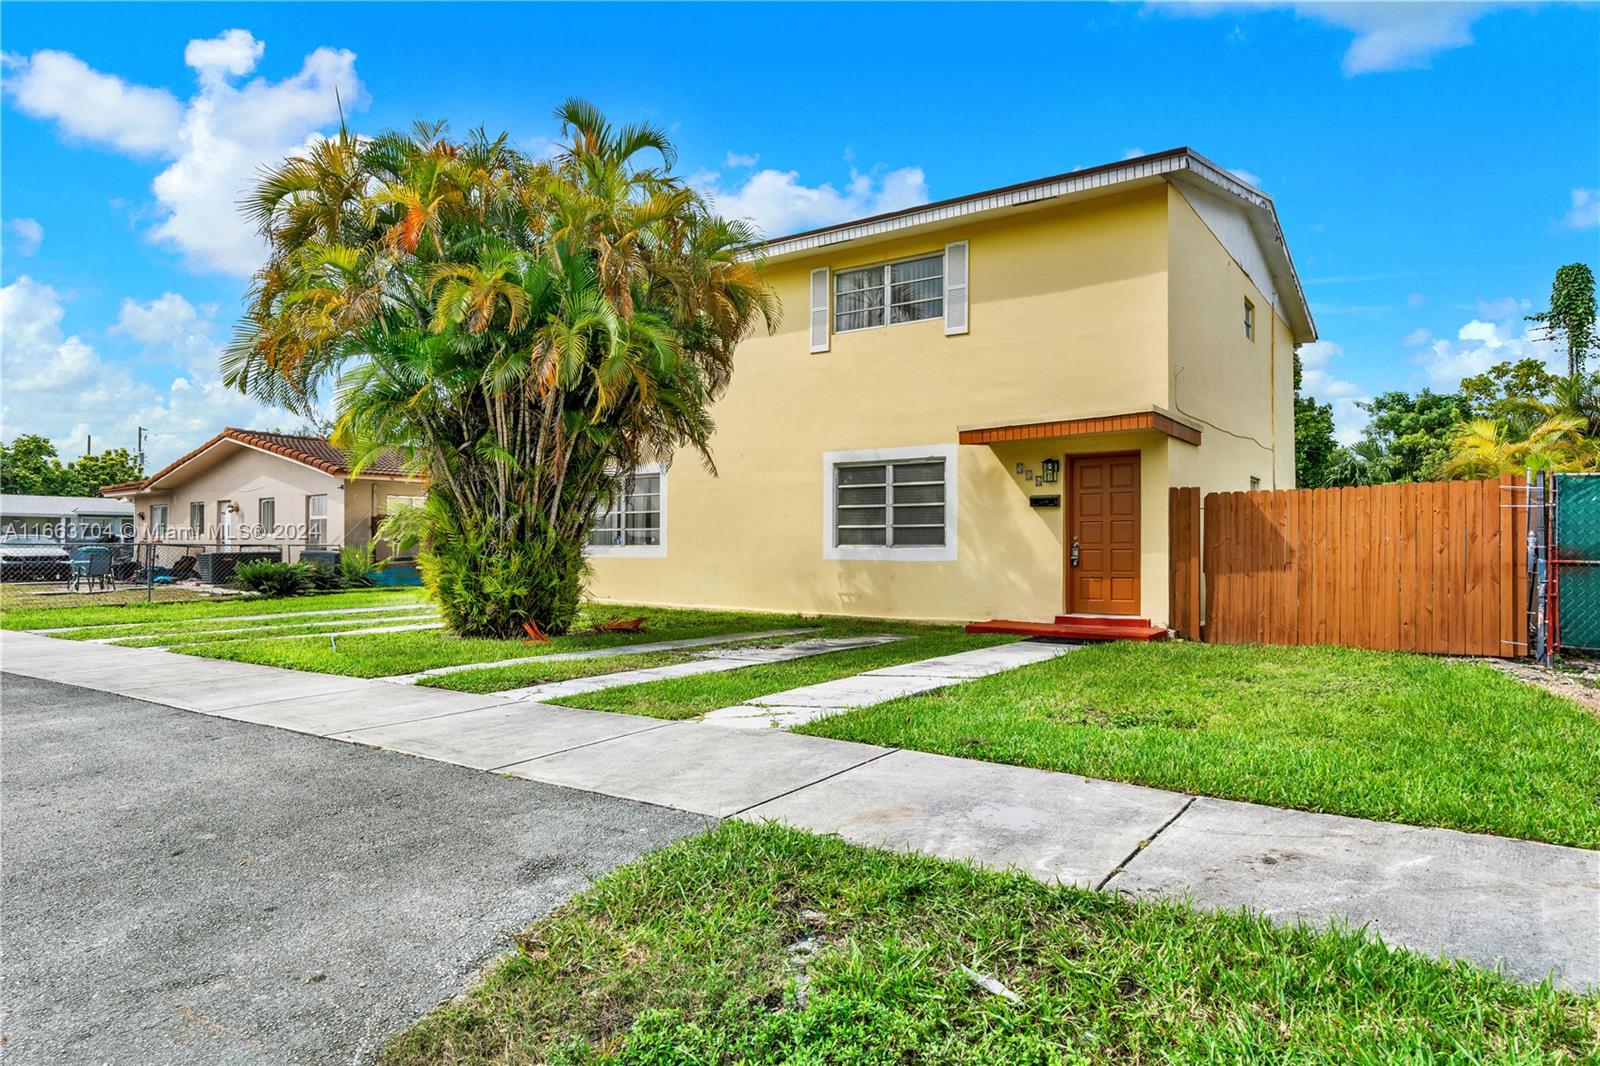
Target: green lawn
[(758, 944), (384, 654), (689, 697), (1404, 738), (141, 613)]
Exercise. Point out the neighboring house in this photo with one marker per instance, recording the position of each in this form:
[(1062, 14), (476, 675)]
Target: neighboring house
[(245, 486), (975, 408), (65, 517)]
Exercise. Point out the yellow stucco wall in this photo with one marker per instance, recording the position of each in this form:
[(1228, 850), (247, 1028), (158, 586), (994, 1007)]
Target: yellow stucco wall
[(1106, 306), (1240, 392), (1068, 312)]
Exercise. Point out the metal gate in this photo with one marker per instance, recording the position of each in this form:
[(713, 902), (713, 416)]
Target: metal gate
[(1575, 563)]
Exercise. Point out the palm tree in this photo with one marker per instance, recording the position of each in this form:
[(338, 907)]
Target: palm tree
[(526, 333)]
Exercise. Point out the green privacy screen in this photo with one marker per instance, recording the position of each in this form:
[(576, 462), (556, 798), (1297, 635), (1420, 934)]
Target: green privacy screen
[(1577, 555)]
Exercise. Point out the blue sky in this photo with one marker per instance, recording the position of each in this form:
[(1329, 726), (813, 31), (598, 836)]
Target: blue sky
[(1432, 164)]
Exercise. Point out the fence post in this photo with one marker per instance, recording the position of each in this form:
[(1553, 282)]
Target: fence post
[(149, 572)]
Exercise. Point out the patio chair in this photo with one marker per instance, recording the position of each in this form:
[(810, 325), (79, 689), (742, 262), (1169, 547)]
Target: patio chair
[(89, 563)]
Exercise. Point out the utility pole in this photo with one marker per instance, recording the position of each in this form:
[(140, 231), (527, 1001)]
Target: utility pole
[(88, 444), (139, 447)]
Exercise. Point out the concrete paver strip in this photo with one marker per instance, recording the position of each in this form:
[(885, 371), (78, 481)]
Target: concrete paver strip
[(1056, 827), (1536, 907), (183, 889), (202, 632), (696, 767), (361, 707), (248, 617), (501, 735), (796, 706), (222, 696), (704, 663), (597, 653)]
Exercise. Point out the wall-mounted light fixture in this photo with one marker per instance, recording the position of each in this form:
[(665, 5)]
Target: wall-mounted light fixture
[(1051, 471)]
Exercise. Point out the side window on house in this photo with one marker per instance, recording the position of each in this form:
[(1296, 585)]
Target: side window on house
[(899, 504), (158, 520), (633, 518), (908, 291), (1249, 320), (197, 519), (316, 519), (267, 517), (398, 502)]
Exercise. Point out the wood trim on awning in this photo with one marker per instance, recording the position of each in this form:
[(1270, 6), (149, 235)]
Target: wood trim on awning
[(1133, 421)]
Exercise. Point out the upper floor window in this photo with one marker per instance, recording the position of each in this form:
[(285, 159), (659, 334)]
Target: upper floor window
[(907, 291), (633, 520), (1249, 320)]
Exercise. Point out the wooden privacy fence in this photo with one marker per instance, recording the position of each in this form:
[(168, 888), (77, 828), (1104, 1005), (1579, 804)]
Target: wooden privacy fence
[(1432, 567)]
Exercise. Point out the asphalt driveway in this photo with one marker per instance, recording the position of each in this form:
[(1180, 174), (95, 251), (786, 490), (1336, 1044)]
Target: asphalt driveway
[(181, 888)]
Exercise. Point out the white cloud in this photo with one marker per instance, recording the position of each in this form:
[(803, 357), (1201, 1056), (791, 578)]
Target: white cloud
[(1415, 300), (1478, 346), (1132, 153), (736, 161), (1317, 380), (216, 141), (26, 236), (90, 106), (235, 53), (55, 380), (1388, 35), (1416, 338), (779, 203), (1585, 210)]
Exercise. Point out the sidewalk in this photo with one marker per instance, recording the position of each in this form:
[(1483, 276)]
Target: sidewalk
[(1534, 907)]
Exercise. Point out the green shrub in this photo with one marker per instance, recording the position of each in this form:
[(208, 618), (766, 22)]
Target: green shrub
[(320, 577), (270, 578), (484, 593), (354, 566)]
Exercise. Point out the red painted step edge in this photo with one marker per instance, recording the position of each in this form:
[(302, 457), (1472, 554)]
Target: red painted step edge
[(1058, 631), (1112, 621)]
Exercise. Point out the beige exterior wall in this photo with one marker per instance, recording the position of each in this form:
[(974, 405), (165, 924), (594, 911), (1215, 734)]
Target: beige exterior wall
[(245, 476)]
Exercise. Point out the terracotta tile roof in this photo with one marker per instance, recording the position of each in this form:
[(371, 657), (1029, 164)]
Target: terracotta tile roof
[(317, 452)]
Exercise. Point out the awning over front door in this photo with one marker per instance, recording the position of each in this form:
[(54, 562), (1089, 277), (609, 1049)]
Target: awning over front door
[(1128, 422)]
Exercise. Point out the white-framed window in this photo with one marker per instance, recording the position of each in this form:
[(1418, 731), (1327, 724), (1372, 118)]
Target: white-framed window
[(1255, 484), (397, 502), (1249, 320), (197, 519), (890, 504), (267, 516), (907, 290), (634, 520), (158, 520), (316, 519)]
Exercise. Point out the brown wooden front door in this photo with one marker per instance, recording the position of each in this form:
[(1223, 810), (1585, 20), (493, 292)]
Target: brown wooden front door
[(1103, 523)]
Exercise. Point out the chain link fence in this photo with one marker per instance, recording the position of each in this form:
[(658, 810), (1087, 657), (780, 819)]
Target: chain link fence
[(40, 572)]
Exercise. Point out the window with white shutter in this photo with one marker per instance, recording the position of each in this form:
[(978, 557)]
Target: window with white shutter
[(955, 288), (819, 309), (909, 290)]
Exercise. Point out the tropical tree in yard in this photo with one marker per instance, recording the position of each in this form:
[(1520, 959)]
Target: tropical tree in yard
[(525, 333)]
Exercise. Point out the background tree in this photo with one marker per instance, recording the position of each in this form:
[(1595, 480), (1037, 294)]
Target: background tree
[(29, 465), (525, 333), (1570, 319), (1411, 436), (1510, 392), (1315, 446)]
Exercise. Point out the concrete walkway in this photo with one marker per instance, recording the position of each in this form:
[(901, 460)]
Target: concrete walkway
[(1535, 908), (797, 706), (711, 662), (597, 653), (251, 617), (199, 632)]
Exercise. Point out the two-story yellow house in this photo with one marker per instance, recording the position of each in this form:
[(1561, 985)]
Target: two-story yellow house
[(974, 409)]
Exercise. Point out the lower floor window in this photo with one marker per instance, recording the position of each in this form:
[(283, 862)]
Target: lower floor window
[(633, 516), (890, 504)]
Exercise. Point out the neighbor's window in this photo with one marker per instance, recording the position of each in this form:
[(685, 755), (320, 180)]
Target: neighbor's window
[(397, 502), (1255, 483), (197, 519), (158, 520), (1250, 320), (633, 517), (891, 505), (907, 291), (316, 519), (267, 516)]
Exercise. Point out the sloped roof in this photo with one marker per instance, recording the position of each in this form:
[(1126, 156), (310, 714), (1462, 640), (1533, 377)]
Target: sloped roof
[(316, 452)]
